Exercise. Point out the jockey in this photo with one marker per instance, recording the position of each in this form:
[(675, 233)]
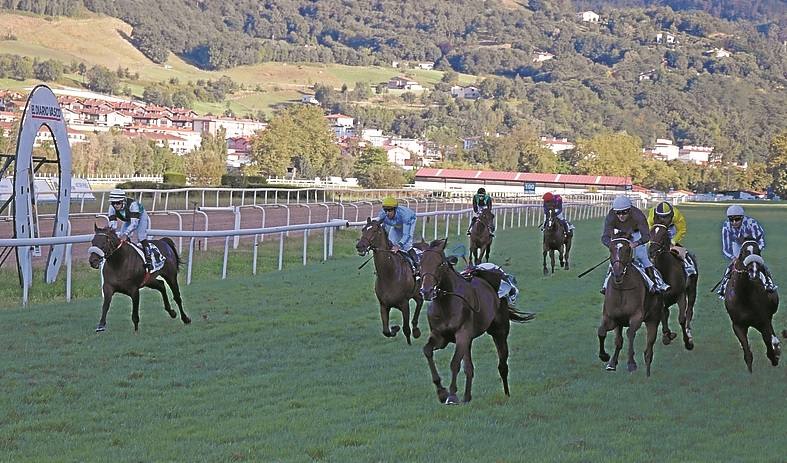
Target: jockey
[(135, 219), (626, 218), (481, 201), (670, 216), (737, 227), (552, 201), (399, 223)]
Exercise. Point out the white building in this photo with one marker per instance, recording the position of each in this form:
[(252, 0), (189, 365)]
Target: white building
[(557, 145), (234, 127), (665, 150), (469, 93), (309, 99), (665, 37), (426, 66), (541, 56), (588, 17), (399, 156), (718, 53), (695, 154)]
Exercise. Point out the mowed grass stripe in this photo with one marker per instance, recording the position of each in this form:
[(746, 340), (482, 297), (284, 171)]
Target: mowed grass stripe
[(292, 366)]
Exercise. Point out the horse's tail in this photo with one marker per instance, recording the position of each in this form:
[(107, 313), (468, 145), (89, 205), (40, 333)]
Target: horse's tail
[(171, 245), (520, 317)]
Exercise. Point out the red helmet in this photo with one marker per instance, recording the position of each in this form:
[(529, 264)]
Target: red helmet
[(548, 196)]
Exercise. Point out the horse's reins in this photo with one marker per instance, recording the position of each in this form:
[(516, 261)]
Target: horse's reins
[(101, 253), (373, 249), (441, 292), (661, 246)]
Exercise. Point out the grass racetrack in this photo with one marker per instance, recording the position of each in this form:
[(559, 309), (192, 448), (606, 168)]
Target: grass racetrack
[(292, 366)]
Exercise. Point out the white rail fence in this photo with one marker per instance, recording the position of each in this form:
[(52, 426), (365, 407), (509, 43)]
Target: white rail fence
[(507, 215)]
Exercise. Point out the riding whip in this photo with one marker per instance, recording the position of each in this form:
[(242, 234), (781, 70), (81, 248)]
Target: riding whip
[(367, 261), (592, 268), (716, 285)]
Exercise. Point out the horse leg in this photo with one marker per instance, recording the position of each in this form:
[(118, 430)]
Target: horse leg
[(691, 297), (613, 363), (172, 282), (683, 305), (385, 313), (552, 259), (488, 250), (460, 352), (666, 334), (631, 332), (108, 291), (546, 271), (500, 336), (568, 251), (419, 302), (741, 333), (135, 309), (605, 326), (431, 344), (767, 337), (652, 331), (560, 255), (159, 286), (405, 309)]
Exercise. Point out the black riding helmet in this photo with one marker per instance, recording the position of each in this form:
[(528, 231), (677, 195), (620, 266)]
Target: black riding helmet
[(664, 211), (482, 191)]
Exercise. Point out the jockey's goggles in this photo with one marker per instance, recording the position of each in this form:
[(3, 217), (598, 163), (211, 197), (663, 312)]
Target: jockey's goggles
[(735, 218), (622, 212), (117, 203), (389, 209)]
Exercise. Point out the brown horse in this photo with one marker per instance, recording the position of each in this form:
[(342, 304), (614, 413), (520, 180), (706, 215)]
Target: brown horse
[(124, 272), (459, 312), (556, 238), (627, 302), (749, 305), (683, 289), (395, 284), (481, 237)]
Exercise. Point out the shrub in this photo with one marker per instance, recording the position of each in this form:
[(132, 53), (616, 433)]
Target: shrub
[(174, 178)]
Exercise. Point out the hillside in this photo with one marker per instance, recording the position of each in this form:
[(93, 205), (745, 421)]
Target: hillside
[(103, 40)]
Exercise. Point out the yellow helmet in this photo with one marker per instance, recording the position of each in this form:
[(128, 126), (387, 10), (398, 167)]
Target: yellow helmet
[(390, 201)]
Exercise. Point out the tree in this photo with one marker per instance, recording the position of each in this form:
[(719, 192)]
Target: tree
[(777, 163), (48, 71), (100, 79), (206, 165), (373, 170), (616, 154)]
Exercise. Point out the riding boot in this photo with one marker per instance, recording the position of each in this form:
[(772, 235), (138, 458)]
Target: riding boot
[(470, 227), (606, 279), (416, 264), (770, 286), (148, 260), (724, 280), (659, 285), (492, 230)]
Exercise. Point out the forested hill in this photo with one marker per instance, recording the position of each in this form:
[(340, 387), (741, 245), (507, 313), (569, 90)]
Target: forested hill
[(711, 81)]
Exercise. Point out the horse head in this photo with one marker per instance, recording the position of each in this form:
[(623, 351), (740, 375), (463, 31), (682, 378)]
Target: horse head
[(660, 240), (433, 267), (551, 219), (751, 258), (620, 255), (373, 237), (749, 246), (487, 218), (105, 242)]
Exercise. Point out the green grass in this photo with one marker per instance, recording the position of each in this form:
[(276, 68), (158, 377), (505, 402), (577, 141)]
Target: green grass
[(291, 366)]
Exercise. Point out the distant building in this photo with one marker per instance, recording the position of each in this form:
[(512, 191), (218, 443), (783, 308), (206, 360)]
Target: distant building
[(470, 142), (468, 93), (718, 53), (588, 16), (403, 83), (664, 150), (234, 127), (557, 145), (426, 66), (647, 75), (541, 56), (665, 37), (695, 154)]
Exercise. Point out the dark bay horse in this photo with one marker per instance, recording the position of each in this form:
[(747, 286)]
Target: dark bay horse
[(395, 284), (481, 237), (459, 312), (556, 238), (627, 302), (749, 305), (682, 291), (124, 272)]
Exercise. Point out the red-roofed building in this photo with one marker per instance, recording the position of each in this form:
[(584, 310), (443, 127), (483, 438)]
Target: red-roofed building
[(516, 182)]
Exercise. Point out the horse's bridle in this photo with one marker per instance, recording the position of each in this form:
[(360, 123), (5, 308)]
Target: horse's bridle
[(100, 252), (438, 292), (617, 255), (370, 246), (661, 246)]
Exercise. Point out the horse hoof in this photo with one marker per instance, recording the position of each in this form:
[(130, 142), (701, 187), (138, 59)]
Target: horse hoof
[(632, 367), (452, 400), (416, 333), (604, 357), (173, 314), (611, 367), (689, 345), (101, 328), (442, 395), (186, 320), (546, 272), (667, 338)]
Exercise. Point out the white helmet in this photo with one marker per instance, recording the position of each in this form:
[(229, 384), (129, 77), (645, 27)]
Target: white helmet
[(734, 210), (621, 203), (117, 195)]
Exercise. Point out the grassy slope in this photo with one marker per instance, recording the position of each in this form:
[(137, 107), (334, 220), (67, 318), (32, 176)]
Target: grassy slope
[(100, 40), (273, 369)]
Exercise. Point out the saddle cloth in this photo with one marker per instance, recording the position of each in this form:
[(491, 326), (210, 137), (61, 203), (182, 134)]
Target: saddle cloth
[(156, 257), (507, 288)]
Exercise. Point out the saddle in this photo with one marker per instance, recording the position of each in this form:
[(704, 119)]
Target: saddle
[(503, 283), (157, 259)]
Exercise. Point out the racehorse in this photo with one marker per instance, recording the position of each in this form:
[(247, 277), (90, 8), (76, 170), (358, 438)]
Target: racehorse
[(459, 312), (683, 289), (627, 302), (749, 305), (395, 284), (556, 238), (481, 237), (124, 272)]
